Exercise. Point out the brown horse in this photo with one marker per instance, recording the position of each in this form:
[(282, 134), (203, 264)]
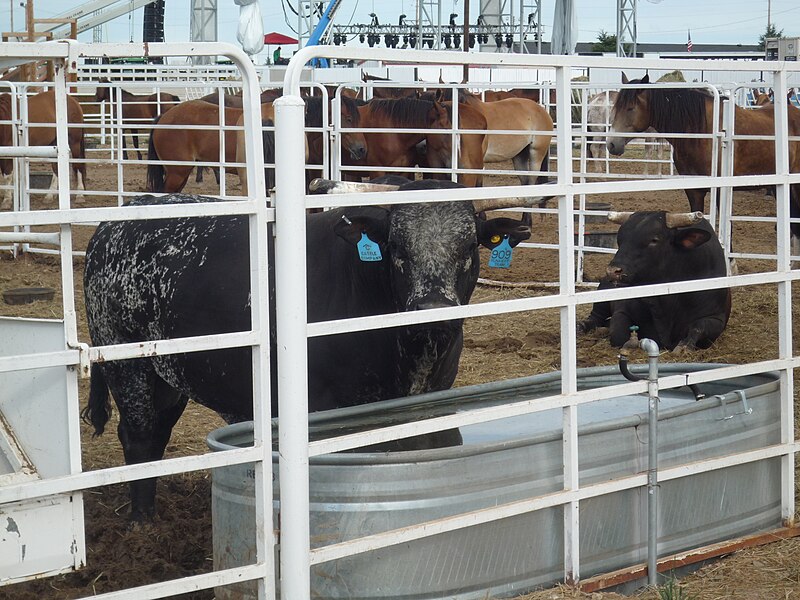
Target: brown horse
[(529, 152), (136, 108), (189, 144), (42, 132), (471, 148), (236, 101), (268, 140), (691, 111), (397, 148)]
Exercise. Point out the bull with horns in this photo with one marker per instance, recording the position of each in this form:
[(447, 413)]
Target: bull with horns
[(660, 247)]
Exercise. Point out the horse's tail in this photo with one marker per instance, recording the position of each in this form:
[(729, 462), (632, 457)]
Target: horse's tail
[(98, 409), (268, 139), (156, 175)]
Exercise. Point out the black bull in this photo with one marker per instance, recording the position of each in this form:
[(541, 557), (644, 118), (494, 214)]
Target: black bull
[(173, 278), (659, 247)]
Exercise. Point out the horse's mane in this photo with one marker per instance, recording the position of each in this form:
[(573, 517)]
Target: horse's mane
[(671, 110), (411, 112), (314, 110)]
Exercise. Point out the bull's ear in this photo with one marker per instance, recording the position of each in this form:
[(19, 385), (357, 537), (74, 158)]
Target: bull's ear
[(350, 230), (491, 232), (691, 237)]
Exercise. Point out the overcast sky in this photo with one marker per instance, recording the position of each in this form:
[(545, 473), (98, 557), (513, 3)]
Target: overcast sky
[(710, 21)]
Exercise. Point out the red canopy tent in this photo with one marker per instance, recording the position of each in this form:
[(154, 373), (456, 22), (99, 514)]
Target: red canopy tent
[(278, 39)]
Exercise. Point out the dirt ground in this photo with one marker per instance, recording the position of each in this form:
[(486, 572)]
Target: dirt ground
[(498, 347)]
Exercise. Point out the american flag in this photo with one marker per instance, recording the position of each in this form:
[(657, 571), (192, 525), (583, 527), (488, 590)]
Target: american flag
[(689, 42)]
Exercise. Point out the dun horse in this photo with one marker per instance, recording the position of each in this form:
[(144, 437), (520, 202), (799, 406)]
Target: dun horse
[(189, 144), (42, 132), (529, 152), (691, 111), (137, 109)]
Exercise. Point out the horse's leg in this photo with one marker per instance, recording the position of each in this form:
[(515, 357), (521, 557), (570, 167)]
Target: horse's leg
[(198, 178), (794, 212), (6, 178), (135, 136), (176, 177), (78, 151)]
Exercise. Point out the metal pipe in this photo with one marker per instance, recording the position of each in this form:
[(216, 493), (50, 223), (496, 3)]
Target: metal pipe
[(652, 350)]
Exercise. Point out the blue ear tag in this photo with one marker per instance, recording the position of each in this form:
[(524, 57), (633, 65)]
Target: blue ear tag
[(501, 255), (368, 251)]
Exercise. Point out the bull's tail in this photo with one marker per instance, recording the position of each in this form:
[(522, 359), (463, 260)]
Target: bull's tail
[(98, 409), (268, 138), (156, 175)]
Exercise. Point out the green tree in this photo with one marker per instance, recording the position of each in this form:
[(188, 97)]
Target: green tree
[(606, 42), (771, 32)]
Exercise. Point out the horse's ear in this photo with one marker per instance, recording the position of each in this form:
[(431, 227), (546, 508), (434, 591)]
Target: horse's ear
[(646, 78), (440, 77), (624, 78), (439, 95)]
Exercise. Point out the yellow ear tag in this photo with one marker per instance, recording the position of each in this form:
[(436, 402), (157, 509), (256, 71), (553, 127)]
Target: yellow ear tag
[(495, 239)]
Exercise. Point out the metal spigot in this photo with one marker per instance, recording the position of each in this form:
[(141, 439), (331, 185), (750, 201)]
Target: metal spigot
[(632, 343)]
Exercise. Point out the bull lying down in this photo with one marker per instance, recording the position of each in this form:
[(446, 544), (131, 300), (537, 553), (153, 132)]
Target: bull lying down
[(173, 278), (659, 247)]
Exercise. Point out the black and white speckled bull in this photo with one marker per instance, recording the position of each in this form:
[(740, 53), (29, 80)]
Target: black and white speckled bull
[(172, 278), (659, 247)]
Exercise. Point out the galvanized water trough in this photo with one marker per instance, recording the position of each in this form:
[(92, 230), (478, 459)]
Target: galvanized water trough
[(357, 494)]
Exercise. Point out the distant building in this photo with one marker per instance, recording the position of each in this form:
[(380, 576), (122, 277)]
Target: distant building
[(709, 51)]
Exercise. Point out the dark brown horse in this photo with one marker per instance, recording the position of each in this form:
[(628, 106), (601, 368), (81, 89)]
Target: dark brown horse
[(397, 148), (691, 111), (353, 144), (136, 108), (42, 132), (185, 142), (385, 93)]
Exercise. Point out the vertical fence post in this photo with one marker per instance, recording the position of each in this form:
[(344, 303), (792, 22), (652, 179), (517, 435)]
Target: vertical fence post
[(291, 325), (782, 197), (569, 382)]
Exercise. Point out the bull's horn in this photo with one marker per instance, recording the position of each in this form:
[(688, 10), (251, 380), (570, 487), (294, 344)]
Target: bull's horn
[(683, 219), (501, 203), (326, 186), (619, 217)]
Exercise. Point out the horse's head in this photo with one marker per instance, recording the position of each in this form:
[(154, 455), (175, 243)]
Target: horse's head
[(631, 113), (353, 141)]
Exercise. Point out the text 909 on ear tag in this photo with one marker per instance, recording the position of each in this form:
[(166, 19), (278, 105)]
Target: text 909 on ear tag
[(368, 251), (501, 255)]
